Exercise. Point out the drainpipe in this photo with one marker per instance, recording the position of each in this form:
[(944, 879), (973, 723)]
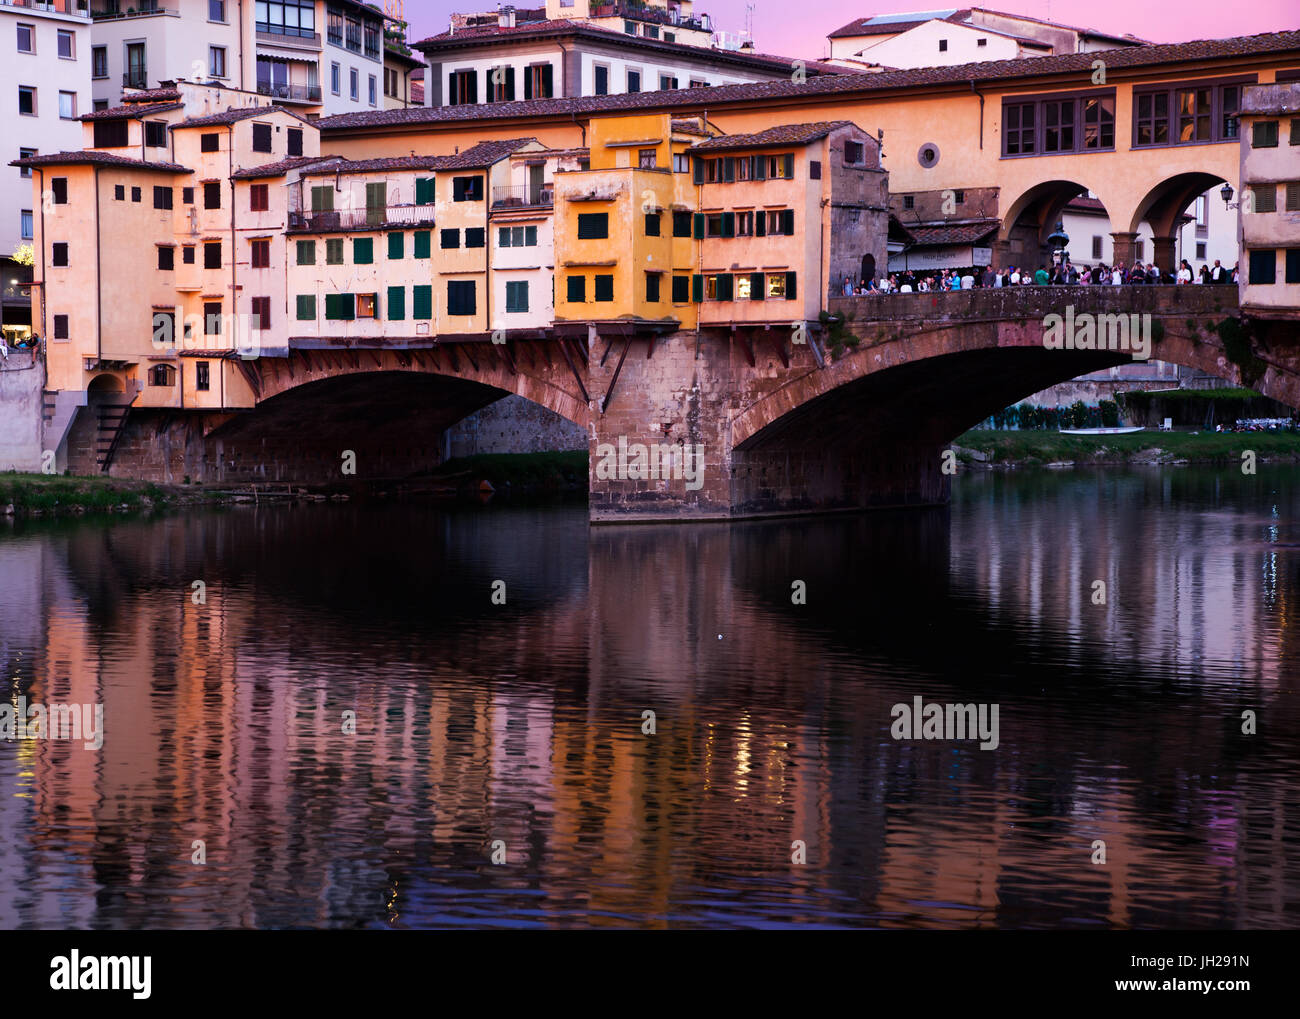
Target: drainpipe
[(45, 335), (241, 45), (234, 271), (99, 280), (981, 95)]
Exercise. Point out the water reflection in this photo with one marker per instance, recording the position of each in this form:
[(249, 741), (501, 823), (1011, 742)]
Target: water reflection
[(481, 724)]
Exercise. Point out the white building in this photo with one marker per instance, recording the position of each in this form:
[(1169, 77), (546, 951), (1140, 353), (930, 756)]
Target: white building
[(1208, 232), (320, 56)]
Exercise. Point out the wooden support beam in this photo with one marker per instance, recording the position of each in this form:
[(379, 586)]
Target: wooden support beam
[(564, 349), (510, 358), (816, 349), (747, 347), (469, 353), (379, 361), (778, 341), (609, 393), (650, 346)]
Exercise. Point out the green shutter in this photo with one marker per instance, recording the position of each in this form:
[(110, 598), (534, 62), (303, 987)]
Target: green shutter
[(530, 236), (789, 166), (396, 244), (396, 303), (307, 307), (728, 224), (698, 163), (503, 237), (787, 222), (422, 302), (424, 191), (726, 289), (698, 229), (306, 252), (422, 244), (791, 289), (697, 288), (760, 223), (757, 291), (332, 306), (729, 169), (347, 306), (363, 250)]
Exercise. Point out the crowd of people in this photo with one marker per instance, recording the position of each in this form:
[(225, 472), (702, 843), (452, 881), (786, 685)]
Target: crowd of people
[(1059, 274)]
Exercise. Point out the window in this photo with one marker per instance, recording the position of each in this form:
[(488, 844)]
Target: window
[(1096, 246), (25, 171), (396, 304), (462, 88), (334, 251), (855, 153), (943, 45), (293, 141), (781, 285), (629, 27), (353, 83), (25, 224), (212, 194), (538, 82), (363, 251), (516, 296), (372, 39), (1293, 265), (422, 302), (467, 189), (99, 61), (604, 288), (261, 137), (1265, 197), (217, 61), (1058, 126), (202, 376), (1187, 115), (217, 10), (1263, 134), (474, 237), (681, 289), (373, 90), (634, 81), (335, 77), (593, 225), (187, 254), (212, 255), (209, 142), (422, 244), (68, 105), (449, 239), (652, 224), (1200, 250), (652, 287), (601, 72), (1017, 129), (650, 31), (306, 253), (286, 17), (390, 88), (1193, 105), (718, 287), (981, 42), (1099, 122), (779, 222), (187, 196), (211, 318), (334, 27), (261, 307), (460, 297), (258, 198), (155, 134), (162, 374), (26, 38), (698, 83), (666, 82), (1293, 196), (814, 169), (110, 134), (681, 162), (60, 327), (67, 45), (340, 307), (27, 100), (647, 159), (396, 245), (745, 224), (367, 305), (162, 197), (1263, 267), (260, 253), (577, 289), (305, 307), (59, 190)]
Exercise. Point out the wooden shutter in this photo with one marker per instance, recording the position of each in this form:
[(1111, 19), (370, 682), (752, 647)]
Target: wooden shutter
[(787, 222), (548, 82), (699, 226), (697, 288), (396, 244), (728, 224), (791, 287), (698, 163), (726, 286), (397, 303), (760, 223), (757, 289)]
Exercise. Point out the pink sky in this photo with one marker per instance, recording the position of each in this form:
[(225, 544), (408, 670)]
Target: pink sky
[(799, 30)]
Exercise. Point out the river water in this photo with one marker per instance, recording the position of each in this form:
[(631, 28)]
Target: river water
[(498, 771)]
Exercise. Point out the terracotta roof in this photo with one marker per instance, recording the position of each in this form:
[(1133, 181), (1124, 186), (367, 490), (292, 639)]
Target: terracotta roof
[(465, 37), (279, 167), (91, 157), (959, 75), (966, 233), (152, 95), (133, 111), (402, 58), (785, 134), (685, 126), (236, 115), (338, 164)]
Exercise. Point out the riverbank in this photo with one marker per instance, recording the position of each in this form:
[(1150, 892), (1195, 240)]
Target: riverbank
[(38, 495), (990, 448)]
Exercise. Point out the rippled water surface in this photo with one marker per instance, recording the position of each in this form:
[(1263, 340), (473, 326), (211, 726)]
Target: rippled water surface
[(518, 728)]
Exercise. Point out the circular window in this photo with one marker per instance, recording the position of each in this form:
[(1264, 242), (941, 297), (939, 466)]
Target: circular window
[(928, 155)]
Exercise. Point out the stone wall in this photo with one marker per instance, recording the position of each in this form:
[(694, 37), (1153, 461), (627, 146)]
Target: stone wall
[(22, 385), (514, 425)]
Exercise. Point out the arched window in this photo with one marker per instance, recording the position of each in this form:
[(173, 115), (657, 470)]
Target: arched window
[(162, 375)]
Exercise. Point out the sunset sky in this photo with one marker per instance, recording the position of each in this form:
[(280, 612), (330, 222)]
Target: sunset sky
[(799, 30)]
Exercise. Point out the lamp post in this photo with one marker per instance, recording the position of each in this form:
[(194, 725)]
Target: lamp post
[(1059, 240)]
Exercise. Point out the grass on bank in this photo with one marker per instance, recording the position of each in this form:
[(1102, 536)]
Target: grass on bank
[(50, 493), (1043, 447)]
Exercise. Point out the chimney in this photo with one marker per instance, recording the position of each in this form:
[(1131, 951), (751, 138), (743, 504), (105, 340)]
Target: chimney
[(506, 19)]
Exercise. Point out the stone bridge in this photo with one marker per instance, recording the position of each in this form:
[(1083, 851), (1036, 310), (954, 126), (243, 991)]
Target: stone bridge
[(857, 415)]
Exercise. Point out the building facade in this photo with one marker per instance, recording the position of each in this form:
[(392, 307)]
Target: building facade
[(1270, 200)]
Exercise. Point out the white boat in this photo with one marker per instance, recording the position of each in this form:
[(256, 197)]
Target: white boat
[(1128, 430)]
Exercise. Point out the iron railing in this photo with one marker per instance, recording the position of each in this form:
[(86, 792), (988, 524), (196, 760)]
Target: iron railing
[(300, 93), (377, 218), (523, 196)]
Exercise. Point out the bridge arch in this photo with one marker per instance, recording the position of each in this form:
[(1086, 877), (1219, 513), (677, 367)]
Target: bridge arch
[(1032, 217), (1162, 207)]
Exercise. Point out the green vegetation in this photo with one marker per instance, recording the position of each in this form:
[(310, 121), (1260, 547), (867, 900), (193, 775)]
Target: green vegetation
[(32, 494), (1078, 415), (1141, 397), (1042, 447)]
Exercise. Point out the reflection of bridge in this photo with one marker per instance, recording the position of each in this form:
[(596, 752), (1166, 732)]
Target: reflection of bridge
[(856, 416)]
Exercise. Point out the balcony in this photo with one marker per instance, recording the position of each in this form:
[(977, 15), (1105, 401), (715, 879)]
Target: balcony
[(523, 196), (303, 40), (360, 219), (135, 79), (72, 8), (138, 9), (291, 93)]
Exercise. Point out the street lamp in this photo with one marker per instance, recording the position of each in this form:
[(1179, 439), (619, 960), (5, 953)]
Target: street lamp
[(1226, 193), (1058, 239)]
